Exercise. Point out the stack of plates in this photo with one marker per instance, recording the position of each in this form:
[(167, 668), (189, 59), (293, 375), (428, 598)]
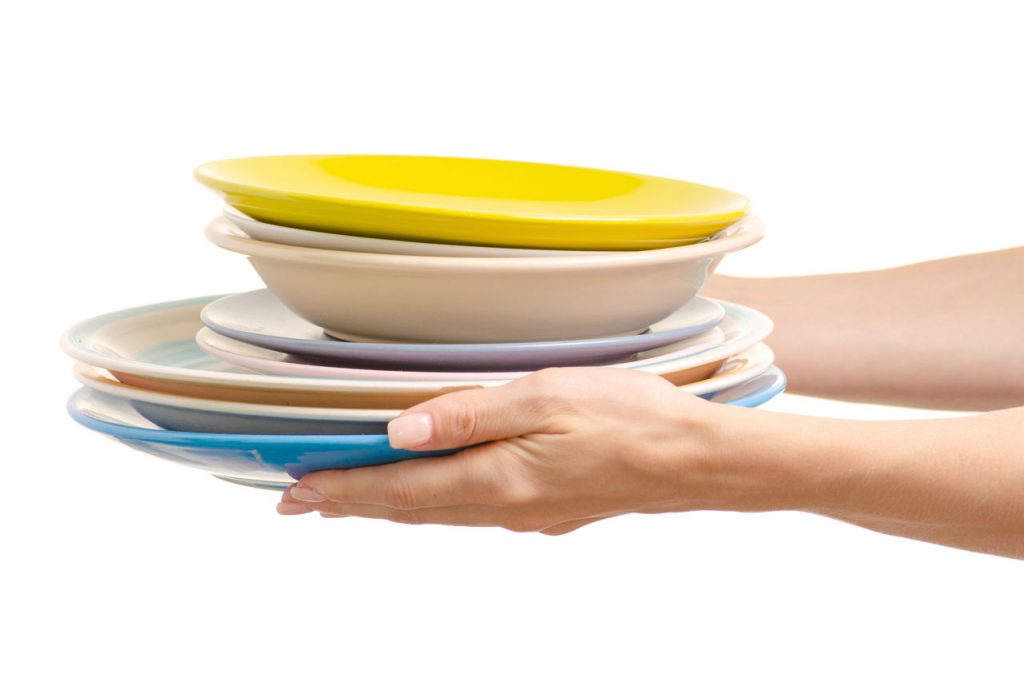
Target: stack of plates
[(395, 279)]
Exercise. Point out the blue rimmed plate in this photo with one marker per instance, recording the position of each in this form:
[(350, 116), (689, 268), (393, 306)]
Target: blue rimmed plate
[(275, 461)]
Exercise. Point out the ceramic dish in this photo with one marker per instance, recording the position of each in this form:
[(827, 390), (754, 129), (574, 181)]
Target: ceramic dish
[(665, 360), (728, 373), (258, 318), (473, 201), (154, 347), (674, 361), (257, 460), (183, 413), (354, 295), (180, 413), (753, 392), (289, 235), (275, 461)]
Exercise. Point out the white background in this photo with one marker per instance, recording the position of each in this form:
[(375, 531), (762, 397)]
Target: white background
[(867, 135)]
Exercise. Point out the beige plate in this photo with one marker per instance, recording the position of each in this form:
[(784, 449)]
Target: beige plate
[(154, 347), (330, 405)]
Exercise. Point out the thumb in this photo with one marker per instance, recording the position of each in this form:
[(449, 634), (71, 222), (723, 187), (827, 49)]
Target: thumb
[(468, 417)]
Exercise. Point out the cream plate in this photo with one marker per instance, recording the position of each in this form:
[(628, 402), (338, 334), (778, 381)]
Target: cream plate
[(180, 413), (154, 347)]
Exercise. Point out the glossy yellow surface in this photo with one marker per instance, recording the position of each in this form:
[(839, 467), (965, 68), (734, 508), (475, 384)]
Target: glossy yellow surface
[(473, 201)]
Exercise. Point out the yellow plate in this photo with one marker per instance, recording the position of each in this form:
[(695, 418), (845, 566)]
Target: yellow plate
[(473, 201)]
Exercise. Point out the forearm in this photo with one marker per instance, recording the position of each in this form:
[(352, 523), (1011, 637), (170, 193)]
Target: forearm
[(946, 334), (958, 482)]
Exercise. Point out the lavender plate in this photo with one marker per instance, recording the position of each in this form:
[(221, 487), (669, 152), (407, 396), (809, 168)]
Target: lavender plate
[(258, 318)]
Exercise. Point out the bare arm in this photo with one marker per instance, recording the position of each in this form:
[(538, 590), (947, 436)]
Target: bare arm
[(577, 445), (956, 482), (945, 334)]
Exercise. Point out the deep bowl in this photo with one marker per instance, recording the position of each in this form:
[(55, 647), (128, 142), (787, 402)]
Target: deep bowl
[(357, 295)]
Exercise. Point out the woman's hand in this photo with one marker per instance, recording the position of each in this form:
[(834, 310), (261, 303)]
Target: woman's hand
[(570, 446), (574, 445)]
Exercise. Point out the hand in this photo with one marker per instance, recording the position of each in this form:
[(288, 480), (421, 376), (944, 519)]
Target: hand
[(570, 446), (574, 445)]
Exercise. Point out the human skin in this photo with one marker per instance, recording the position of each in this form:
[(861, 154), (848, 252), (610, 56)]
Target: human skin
[(944, 334), (562, 448)]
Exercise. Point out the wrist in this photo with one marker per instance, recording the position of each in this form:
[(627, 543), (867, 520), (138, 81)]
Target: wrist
[(767, 461)]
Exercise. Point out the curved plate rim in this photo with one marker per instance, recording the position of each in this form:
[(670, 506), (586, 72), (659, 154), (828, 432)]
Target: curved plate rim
[(74, 344), (397, 351), (279, 441)]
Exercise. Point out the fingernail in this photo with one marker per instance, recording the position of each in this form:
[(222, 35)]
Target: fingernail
[(305, 494), (411, 430), (292, 509)]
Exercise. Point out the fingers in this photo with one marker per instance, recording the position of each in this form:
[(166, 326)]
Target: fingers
[(470, 515), (567, 527), (474, 515), (292, 508), (572, 525), (468, 477), (475, 416)]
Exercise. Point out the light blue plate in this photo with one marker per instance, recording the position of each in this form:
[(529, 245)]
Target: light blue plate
[(754, 392), (276, 461)]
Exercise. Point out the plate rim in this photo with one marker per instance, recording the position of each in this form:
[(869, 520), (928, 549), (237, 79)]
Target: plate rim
[(238, 440), (422, 348), (263, 228), (72, 342), (744, 233), (206, 174)]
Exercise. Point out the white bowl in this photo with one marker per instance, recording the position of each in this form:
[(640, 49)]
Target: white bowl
[(290, 235), (358, 295)]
